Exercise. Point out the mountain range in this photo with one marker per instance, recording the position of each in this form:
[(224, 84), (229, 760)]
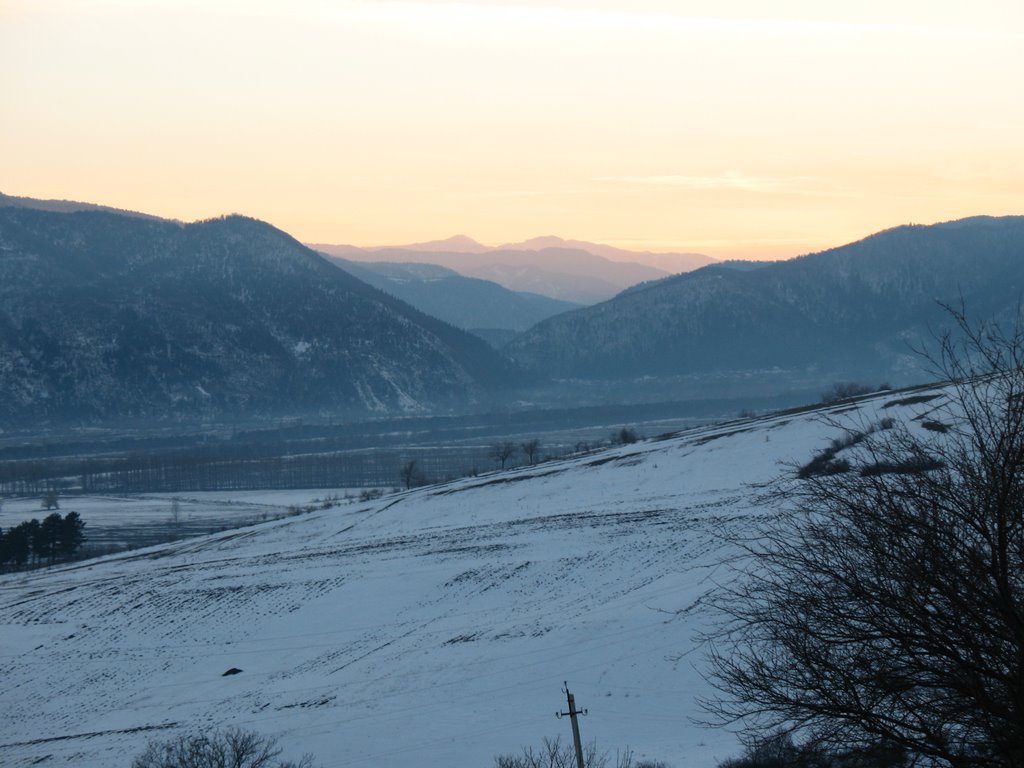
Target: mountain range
[(66, 206), (667, 262), (112, 316), (855, 311), (570, 271), (109, 315), (482, 307)]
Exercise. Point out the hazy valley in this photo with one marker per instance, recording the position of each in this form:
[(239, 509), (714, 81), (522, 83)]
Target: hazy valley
[(420, 610), (336, 493), (111, 317), (511, 384)]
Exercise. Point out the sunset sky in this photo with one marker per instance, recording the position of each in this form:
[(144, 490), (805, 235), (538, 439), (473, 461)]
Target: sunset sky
[(736, 128)]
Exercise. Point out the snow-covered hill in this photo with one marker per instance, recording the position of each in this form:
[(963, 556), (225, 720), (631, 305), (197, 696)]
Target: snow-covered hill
[(432, 628)]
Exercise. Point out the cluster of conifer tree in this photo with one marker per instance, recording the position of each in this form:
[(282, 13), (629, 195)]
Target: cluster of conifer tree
[(37, 543)]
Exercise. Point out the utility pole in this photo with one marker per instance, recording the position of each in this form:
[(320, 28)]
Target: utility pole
[(575, 724)]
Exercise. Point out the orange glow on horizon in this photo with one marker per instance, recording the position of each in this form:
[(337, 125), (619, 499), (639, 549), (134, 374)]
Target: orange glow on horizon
[(653, 125)]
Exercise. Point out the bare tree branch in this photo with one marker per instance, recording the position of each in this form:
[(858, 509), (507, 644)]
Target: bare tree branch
[(886, 598)]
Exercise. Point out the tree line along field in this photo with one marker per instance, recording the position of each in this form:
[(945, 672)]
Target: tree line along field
[(227, 469), (321, 456), (114, 523), (142, 489)]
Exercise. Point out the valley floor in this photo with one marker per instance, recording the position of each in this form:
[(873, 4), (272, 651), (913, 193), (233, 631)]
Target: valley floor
[(432, 628)]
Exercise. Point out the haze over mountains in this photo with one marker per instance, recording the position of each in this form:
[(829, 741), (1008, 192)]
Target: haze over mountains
[(671, 263), (482, 307), (108, 315), (569, 270), (65, 206), (667, 261), (856, 311), (337, 625)]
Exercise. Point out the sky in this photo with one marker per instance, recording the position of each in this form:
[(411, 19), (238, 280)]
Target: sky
[(735, 128)]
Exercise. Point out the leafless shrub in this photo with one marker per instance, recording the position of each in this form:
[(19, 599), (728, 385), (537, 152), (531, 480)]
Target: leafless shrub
[(232, 748), (554, 754)]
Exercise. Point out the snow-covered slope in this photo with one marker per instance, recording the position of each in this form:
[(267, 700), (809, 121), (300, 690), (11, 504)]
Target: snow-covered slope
[(429, 628)]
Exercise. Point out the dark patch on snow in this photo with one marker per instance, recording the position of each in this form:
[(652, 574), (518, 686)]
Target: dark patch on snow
[(912, 400), (498, 481), (468, 549), (90, 735), (465, 638), (708, 438), (628, 460), (321, 702)]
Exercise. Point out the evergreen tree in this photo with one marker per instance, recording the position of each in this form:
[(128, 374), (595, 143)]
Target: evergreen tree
[(72, 534), (48, 537), (37, 547), (19, 544)]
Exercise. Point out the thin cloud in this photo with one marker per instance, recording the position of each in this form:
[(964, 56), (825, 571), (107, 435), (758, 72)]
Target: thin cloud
[(662, 15), (727, 181)]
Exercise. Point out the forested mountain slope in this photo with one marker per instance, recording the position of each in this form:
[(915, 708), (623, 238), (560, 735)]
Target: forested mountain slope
[(855, 311), (108, 316), (466, 302)]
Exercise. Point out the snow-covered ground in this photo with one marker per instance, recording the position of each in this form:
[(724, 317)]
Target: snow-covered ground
[(431, 628)]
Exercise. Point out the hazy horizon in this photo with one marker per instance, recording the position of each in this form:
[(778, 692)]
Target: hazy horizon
[(683, 126), (628, 246)]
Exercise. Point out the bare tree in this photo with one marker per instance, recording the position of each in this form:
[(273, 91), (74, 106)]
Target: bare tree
[(624, 436), (554, 754), (779, 751), (531, 450), (502, 452), (846, 390), (410, 474), (233, 747), (175, 516), (885, 603)]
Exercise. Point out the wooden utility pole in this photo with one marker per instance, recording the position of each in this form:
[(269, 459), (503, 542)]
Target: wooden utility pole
[(575, 724)]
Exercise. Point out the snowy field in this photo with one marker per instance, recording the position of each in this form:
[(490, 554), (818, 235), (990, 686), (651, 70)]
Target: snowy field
[(430, 628)]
